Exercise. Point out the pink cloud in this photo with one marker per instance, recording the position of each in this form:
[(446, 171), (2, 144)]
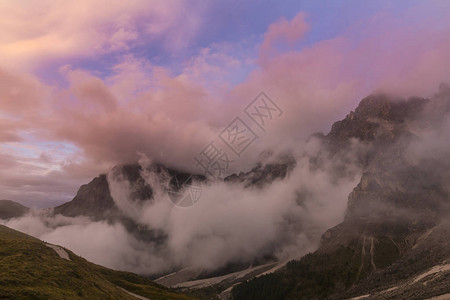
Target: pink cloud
[(19, 92), (143, 107), (283, 31), (49, 31)]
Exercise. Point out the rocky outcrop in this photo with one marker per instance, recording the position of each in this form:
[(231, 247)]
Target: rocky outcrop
[(94, 199), (395, 226), (378, 118), (400, 197)]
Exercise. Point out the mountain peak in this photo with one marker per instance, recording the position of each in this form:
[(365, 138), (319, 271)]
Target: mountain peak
[(10, 209), (378, 117)]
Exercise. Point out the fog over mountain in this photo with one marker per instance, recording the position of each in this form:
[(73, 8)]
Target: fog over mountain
[(231, 222), (233, 150), (239, 220)]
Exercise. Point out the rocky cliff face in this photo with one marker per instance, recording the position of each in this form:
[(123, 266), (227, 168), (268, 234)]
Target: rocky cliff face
[(401, 197), (396, 225), (378, 118), (397, 183), (93, 200)]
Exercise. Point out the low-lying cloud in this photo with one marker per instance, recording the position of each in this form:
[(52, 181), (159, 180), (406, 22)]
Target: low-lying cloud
[(231, 223), (284, 219)]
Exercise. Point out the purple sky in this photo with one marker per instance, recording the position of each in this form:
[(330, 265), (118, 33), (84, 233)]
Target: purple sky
[(87, 85)]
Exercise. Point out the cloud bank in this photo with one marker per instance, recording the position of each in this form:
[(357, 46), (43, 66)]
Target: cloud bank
[(230, 224), (92, 121)]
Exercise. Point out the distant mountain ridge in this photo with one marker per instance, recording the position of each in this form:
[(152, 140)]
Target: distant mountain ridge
[(94, 199), (10, 209)]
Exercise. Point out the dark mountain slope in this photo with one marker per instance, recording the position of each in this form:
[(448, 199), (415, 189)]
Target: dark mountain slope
[(10, 209), (418, 274), (400, 198), (94, 199)]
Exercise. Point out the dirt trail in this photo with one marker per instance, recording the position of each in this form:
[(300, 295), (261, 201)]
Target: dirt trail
[(60, 251), (63, 254), (133, 294)]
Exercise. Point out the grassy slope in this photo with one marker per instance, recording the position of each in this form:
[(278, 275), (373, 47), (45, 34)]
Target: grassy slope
[(31, 270)]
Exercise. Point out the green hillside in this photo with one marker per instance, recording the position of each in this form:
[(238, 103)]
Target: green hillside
[(31, 270)]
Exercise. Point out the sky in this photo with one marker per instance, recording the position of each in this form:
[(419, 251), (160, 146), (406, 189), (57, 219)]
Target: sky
[(91, 84)]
